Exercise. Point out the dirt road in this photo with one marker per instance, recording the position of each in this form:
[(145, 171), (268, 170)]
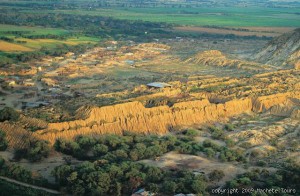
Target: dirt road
[(30, 186)]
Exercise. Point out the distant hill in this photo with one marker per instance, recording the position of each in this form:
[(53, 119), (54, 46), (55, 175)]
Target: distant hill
[(217, 58), (282, 50)]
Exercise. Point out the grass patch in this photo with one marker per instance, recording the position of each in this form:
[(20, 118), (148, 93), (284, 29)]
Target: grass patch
[(9, 29)]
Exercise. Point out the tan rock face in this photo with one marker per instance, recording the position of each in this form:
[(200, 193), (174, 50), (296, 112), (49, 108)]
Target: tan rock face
[(16, 136), (296, 113), (217, 58), (297, 65), (278, 50), (264, 103), (133, 116)]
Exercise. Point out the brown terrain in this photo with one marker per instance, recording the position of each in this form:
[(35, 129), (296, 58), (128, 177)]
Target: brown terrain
[(242, 31), (105, 91)]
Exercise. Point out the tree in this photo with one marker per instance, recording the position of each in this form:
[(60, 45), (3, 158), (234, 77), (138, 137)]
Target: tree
[(169, 187), (61, 172), (229, 142), (245, 181), (198, 184), (216, 175), (209, 152), (85, 142), (120, 154), (229, 127), (101, 183), (154, 174), (3, 141), (38, 149), (191, 133), (68, 147), (140, 149), (100, 149), (114, 171), (153, 188), (153, 151), (134, 155), (112, 140)]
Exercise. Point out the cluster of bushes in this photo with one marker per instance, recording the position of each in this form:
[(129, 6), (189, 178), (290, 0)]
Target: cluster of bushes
[(8, 113), (7, 39), (224, 153), (3, 141), (35, 151), (286, 178), (55, 51), (19, 173), (117, 148), (48, 36), (135, 147), (104, 178), (216, 133)]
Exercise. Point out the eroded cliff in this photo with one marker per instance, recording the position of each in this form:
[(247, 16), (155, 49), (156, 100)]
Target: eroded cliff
[(133, 116)]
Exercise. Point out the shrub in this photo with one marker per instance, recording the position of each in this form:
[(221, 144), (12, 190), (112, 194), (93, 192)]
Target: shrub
[(216, 175), (216, 133), (191, 133), (261, 163), (8, 114), (36, 151), (229, 127)]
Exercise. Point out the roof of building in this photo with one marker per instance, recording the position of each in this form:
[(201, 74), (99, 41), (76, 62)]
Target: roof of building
[(159, 84)]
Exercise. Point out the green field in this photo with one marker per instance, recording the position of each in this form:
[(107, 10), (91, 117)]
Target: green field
[(222, 16), (31, 30), (35, 44)]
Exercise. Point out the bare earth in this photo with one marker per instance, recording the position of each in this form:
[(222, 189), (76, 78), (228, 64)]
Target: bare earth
[(251, 31)]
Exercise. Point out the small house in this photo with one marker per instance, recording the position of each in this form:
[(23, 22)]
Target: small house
[(142, 192), (11, 83), (159, 85)]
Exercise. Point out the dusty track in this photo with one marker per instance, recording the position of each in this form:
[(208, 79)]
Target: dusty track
[(29, 185)]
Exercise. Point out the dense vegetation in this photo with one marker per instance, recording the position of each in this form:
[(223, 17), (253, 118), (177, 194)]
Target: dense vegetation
[(12, 189), (114, 157), (106, 178), (285, 180), (133, 147), (19, 173), (8, 113)]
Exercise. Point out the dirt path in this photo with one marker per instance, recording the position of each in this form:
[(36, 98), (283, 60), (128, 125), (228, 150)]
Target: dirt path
[(29, 185)]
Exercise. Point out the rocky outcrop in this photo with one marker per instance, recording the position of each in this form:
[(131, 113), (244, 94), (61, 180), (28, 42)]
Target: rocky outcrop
[(135, 117), (278, 50), (264, 103), (16, 136), (295, 113), (294, 60), (217, 58)]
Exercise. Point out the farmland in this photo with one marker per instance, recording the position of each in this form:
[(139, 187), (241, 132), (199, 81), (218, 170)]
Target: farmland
[(20, 44), (29, 30), (222, 16)]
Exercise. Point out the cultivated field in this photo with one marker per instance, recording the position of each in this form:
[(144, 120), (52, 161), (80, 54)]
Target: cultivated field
[(10, 47), (222, 16)]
